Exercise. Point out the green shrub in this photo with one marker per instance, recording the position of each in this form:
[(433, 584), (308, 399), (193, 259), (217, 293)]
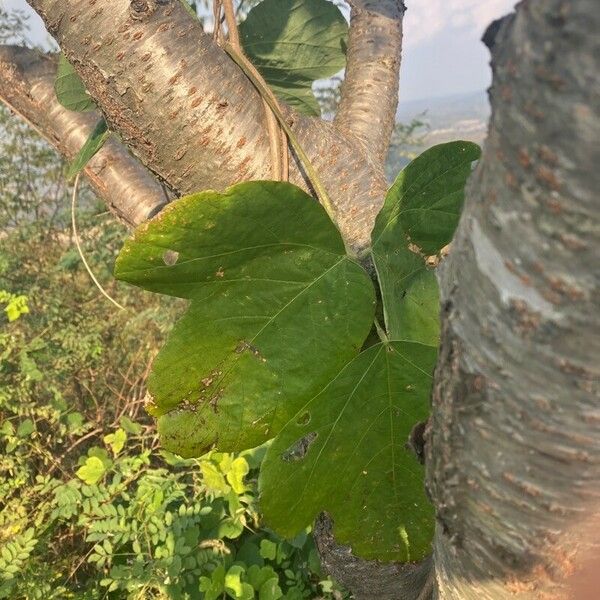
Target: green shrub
[(90, 506)]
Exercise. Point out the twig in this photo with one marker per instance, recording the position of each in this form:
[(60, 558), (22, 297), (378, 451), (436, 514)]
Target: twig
[(74, 445), (217, 33)]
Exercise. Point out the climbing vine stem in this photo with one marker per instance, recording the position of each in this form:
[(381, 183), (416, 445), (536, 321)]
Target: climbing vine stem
[(80, 251), (269, 97)]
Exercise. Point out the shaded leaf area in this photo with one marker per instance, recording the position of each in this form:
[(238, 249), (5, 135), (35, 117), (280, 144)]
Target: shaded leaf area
[(345, 452), (418, 219), (277, 309), (89, 149), (293, 43), (69, 88)]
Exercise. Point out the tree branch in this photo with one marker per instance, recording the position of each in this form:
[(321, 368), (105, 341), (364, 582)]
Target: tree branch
[(513, 450), (189, 113), (370, 88), (174, 97), (27, 87)]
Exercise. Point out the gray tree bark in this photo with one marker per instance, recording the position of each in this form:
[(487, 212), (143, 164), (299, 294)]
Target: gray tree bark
[(513, 444), (373, 73)]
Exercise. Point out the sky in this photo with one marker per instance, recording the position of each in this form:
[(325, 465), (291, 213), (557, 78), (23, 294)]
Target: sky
[(442, 53)]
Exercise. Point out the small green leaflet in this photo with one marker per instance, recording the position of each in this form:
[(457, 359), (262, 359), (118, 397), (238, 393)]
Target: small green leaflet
[(418, 219), (345, 452), (69, 88), (277, 309), (191, 9), (293, 43), (91, 146), (92, 471)]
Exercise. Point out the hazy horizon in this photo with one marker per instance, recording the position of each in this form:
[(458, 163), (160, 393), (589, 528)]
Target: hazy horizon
[(442, 54)]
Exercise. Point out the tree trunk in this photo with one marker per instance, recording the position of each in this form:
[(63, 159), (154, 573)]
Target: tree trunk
[(514, 442)]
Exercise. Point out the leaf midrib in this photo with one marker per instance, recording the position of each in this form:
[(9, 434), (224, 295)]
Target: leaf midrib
[(222, 254)]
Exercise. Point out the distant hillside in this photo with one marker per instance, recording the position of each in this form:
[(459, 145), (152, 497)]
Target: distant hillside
[(456, 117)]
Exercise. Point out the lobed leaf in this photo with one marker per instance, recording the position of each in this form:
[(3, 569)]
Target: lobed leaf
[(293, 43), (277, 309), (418, 219), (345, 452)]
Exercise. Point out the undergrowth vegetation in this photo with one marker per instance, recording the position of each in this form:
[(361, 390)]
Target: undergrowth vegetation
[(90, 506)]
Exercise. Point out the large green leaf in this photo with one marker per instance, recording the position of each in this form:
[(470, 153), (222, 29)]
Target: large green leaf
[(419, 216), (69, 88), (293, 43), (277, 308), (345, 452), (89, 149)]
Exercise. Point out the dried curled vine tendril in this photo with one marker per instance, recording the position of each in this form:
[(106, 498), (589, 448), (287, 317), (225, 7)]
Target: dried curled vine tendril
[(80, 251)]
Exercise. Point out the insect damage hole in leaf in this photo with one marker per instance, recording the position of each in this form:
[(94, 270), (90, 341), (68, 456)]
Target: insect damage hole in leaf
[(297, 451), (303, 419), (170, 257), (277, 308)]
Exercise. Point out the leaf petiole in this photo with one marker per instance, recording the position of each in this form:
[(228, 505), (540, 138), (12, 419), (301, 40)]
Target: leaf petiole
[(381, 332)]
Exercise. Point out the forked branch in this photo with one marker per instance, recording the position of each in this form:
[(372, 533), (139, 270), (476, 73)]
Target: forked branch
[(370, 88), (189, 112), (27, 87)]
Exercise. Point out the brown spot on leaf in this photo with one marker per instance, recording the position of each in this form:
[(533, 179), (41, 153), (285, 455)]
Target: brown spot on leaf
[(245, 346), (214, 401)]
